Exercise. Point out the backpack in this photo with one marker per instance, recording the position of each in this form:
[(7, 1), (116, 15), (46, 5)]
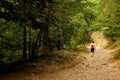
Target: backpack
[(92, 46)]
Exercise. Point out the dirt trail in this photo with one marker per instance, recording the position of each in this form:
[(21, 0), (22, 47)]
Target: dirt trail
[(98, 67), (94, 68)]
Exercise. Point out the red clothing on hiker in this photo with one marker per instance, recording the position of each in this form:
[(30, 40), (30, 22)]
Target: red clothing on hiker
[(92, 47)]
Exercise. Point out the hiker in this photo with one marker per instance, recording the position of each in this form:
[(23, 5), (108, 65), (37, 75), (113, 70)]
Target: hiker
[(92, 48)]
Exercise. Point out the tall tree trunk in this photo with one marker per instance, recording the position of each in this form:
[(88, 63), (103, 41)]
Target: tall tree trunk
[(24, 45), (40, 39), (25, 12), (45, 41), (46, 35), (35, 45), (61, 33), (30, 42)]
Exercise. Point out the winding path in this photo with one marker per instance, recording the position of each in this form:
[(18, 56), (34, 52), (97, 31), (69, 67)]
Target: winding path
[(98, 67)]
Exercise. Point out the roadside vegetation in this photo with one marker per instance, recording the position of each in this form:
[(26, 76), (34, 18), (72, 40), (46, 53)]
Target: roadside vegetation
[(116, 52)]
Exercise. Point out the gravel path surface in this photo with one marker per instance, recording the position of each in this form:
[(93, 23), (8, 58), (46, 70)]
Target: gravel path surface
[(98, 67)]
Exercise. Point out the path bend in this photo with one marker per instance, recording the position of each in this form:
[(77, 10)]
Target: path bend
[(98, 67)]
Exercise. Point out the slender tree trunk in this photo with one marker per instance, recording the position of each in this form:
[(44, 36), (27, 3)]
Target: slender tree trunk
[(61, 33), (25, 12), (45, 41), (29, 42), (46, 35), (24, 45), (35, 46), (39, 40)]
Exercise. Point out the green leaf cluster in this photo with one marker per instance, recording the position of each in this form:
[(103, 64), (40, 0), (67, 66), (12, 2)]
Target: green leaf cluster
[(10, 42)]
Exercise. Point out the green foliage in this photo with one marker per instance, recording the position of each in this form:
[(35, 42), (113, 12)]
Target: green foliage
[(113, 33), (54, 37), (111, 19), (81, 26), (10, 42), (107, 18)]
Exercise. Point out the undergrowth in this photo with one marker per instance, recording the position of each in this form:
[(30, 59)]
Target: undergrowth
[(116, 54)]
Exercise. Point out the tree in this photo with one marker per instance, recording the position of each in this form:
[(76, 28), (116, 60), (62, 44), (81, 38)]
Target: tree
[(45, 25), (111, 18)]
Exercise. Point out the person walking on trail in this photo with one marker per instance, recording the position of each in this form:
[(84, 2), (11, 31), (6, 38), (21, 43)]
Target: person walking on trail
[(92, 48)]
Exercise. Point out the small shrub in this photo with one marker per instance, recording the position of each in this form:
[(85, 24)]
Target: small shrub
[(117, 55)]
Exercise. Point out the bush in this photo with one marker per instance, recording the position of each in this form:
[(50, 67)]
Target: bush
[(117, 55)]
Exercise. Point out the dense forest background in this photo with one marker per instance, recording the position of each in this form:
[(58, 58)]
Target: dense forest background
[(30, 28)]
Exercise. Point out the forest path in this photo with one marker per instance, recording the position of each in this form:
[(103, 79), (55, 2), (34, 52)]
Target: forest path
[(98, 67)]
